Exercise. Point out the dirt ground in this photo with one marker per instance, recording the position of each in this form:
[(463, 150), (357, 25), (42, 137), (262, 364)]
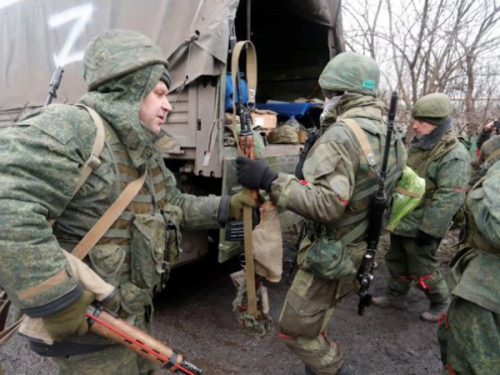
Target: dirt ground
[(195, 314)]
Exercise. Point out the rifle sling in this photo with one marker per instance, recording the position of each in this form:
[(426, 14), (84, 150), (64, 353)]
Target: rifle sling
[(251, 70)]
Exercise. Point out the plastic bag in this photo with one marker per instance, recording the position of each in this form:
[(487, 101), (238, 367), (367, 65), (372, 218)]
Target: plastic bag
[(407, 195)]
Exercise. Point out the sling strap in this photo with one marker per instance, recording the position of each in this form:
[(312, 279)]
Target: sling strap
[(101, 226), (363, 141), (251, 71)]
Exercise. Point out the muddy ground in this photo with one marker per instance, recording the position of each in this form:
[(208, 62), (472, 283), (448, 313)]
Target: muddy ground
[(195, 314)]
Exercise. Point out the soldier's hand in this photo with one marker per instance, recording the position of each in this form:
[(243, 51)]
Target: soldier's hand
[(424, 239), (254, 174), (71, 320), (112, 302), (237, 202)]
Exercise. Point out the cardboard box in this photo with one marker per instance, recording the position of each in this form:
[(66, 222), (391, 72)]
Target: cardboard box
[(264, 118)]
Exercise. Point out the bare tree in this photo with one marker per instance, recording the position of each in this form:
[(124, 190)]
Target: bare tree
[(429, 46)]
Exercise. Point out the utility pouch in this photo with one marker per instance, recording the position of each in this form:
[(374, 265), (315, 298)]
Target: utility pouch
[(173, 218), (133, 301), (328, 259), (107, 261), (147, 250)]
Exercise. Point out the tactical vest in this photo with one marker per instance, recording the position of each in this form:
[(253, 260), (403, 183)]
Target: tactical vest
[(354, 221), (420, 160), (474, 238), (136, 252)]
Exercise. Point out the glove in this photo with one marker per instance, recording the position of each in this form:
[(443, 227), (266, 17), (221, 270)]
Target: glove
[(424, 239), (254, 174), (236, 204), (71, 320)]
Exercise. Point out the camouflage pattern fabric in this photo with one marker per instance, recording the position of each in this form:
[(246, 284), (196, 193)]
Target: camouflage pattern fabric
[(260, 326), (41, 158), (409, 262), (303, 321), (351, 72), (339, 184), (469, 338), (446, 171), (489, 154), (285, 134), (434, 106), (103, 62), (115, 359)]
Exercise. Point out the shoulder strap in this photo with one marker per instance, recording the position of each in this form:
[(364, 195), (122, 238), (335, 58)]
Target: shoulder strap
[(93, 161), (251, 70), (109, 217), (493, 155), (363, 141)]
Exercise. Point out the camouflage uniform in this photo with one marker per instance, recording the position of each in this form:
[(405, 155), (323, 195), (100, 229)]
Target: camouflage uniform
[(489, 154), (41, 159), (335, 201), (469, 334), (443, 161)]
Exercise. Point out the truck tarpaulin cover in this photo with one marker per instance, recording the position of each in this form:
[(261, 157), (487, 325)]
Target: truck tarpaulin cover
[(36, 36)]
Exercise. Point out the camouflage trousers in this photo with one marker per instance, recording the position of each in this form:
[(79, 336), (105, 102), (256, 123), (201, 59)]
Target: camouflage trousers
[(408, 262), (469, 337), (308, 307)]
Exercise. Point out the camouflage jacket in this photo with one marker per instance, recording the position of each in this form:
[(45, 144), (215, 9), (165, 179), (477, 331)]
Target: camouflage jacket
[(489, 154), (474, 269), (40, 163), (337, 196), (445, 168)]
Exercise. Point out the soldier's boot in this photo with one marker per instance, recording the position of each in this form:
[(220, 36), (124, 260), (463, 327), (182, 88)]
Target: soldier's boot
[(392, 299), (436, 310)]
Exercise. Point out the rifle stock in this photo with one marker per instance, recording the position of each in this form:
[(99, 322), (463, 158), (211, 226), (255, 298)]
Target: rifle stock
[(377, 210)]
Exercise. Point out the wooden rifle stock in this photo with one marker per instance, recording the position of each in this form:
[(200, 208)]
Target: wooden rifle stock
[(106, 324)]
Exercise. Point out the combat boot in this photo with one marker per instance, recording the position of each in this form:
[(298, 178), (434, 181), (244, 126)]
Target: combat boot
[(436, 310), (392, 299)]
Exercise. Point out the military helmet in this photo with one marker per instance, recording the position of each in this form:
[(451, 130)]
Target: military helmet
[(351, 72), (114, 53), (285, 134), (432, 106)]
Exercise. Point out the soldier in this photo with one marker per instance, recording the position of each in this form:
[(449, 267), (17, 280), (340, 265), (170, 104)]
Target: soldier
[(128, 81), (487, 153), (469, 334), (334, 198), (437, 155)]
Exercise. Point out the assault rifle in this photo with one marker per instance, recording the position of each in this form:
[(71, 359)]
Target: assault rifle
[(377, 210), (54, 84)]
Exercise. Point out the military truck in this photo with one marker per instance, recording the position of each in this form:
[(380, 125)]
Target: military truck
[(294, 39)]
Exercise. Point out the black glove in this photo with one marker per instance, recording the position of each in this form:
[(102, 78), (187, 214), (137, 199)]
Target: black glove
[(254, 174), (424, 239)]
